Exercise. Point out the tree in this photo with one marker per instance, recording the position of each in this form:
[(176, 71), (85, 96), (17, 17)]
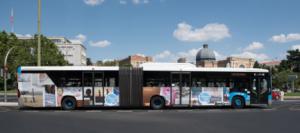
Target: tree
[(25, 53), (256, 65), (293, 60), (89, 62)]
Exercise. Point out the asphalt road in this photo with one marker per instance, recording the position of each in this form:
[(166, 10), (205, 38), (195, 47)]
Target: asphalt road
[(282, 117), (10, 98)]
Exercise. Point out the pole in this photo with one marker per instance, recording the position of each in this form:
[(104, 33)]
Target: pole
[(39, 34), (5, 73)]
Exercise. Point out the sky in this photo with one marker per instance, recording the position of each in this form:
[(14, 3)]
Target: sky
[(164, 29)]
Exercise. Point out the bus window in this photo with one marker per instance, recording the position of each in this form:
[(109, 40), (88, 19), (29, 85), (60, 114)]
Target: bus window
[(156, 79), (66, 79)]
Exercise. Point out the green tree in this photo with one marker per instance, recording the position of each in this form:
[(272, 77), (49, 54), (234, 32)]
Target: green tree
[(25, 53), (89, 61), (293, 60)]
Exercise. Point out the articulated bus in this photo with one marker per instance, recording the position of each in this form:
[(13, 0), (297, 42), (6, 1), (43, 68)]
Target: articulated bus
[(155, 85)]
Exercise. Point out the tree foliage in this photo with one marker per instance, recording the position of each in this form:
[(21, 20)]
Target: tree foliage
[(24, 53)]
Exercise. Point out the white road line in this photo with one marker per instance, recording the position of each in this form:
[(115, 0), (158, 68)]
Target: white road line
[(184, 110), (93, 111), (155, 111), (30, 111), (269, 109), (126, 111), (63, 111)]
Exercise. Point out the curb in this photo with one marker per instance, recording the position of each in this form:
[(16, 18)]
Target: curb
[(8, 104)]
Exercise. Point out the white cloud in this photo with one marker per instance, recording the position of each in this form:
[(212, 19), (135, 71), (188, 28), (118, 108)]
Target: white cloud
[(254, 46), (210, 32), (294, 47), (146, 1), (136, 2), (123, 2), (25, 35), (80, 38), (247, 54), (163, 54), (100, 44), (282, 38), (93, 2)]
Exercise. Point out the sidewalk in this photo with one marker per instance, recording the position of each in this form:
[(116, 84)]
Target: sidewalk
[(8, 104)]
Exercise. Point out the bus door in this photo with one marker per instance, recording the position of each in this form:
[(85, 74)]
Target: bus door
[(92, 88), (260, 90), (180, 83)]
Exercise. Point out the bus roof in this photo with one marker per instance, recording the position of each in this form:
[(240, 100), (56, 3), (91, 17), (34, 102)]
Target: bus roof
[(188, 67), (69, 68), (185, 67)]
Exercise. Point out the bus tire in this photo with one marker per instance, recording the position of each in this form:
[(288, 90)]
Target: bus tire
[(157, 102), (238, 102), (68, 103)]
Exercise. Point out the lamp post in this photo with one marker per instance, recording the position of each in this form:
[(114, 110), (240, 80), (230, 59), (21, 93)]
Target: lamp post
[(39, 34), (5, 73)]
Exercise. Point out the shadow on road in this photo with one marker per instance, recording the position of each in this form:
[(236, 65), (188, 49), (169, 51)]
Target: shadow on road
[(143, 108)]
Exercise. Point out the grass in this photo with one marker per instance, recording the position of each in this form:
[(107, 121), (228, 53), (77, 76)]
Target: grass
[(292, 94)]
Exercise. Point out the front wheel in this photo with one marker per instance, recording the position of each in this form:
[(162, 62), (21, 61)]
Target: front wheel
[(68, 103), (157, 102), (238, 102)]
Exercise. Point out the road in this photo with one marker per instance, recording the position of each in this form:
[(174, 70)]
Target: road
[(10, 98), (282, 117)]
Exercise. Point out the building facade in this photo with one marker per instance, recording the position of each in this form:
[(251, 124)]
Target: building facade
[(206, 58), (135, 60), (74, 52)]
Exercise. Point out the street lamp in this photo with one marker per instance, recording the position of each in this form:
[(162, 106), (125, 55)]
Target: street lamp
[(39, 34), (6, 70), (5, 73)]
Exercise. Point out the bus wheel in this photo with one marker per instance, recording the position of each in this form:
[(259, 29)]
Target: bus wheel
[(157, 102), (68, 103), (238, 102)]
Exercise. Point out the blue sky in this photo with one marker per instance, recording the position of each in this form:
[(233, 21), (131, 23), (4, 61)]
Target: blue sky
[(164, 29)]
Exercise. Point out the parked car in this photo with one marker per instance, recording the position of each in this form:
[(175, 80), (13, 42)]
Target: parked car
[(276, 94)]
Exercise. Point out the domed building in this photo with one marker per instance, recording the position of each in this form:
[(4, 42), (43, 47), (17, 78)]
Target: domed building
[(206, 57)]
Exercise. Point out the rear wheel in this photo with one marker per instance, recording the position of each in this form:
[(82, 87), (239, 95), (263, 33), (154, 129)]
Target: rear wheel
[(68, 103), (238, 102), (157, 102)]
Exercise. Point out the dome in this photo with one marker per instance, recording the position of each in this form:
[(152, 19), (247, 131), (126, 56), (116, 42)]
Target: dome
[(205, 54)]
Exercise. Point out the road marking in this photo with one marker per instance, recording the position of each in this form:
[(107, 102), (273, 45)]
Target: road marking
[(30, 111), (214, 110), (93, 111), (61, 111), (125, 111), (272, 109)]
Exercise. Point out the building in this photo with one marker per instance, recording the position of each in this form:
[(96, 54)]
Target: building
[(237, 62), (206, 58), (271, 63), (74, 52), (135, 60)]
